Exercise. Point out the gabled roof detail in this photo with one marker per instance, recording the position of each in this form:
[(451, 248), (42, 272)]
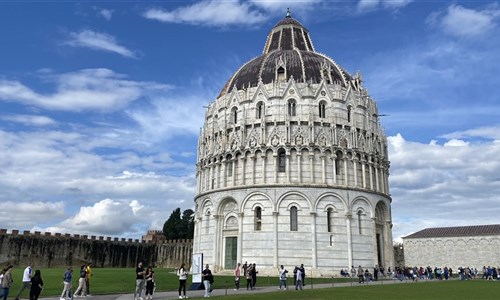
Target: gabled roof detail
[(477, 230)]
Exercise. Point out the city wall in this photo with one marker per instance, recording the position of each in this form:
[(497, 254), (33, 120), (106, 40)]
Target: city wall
[(61, 250)]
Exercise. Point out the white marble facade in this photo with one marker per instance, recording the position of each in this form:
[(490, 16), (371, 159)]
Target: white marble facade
[(293, 171)]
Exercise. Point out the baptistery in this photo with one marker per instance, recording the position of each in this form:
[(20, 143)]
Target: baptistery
[(292, 165)]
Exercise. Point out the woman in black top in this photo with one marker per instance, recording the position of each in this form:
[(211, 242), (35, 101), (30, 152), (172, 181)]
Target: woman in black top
[(36, 285), (150, 283)]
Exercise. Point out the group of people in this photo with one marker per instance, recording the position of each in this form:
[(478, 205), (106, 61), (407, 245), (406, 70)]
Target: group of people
[(31, 281), (144, 278)]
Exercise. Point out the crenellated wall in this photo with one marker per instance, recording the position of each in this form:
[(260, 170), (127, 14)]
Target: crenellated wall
[(60, 250)]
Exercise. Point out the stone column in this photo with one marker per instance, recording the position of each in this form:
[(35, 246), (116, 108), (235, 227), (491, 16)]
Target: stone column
[(377, 187), (323, 168), (233, 170), (299, 170), (253, 168), (348, 217), (374, 241), (275, 157), (216, 243), (314, 242), (355, 170), (240, 236), (287, 170), (334, 158), (276, 243), (345, 172), (363, 170), (370, 164), (223, 174)]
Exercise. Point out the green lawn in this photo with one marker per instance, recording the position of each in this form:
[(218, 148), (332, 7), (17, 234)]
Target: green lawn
[(442, 290), (116, 281), (122, 280)]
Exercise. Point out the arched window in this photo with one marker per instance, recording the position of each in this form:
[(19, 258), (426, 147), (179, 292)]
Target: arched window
[(338, 163), (360, 213), (281, 76), (349, 108), (281, 160), (322, 109), (234, 115), (329, 219), (293, 219), (229, 166), (292, 110), (258, 218), (259, 112)]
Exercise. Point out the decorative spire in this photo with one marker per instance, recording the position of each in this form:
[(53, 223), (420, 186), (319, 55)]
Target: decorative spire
[(288, 13)]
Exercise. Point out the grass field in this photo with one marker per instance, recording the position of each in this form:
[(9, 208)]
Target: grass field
[(117, 281)]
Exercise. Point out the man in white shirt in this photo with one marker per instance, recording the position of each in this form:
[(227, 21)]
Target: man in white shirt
[(27, 274)]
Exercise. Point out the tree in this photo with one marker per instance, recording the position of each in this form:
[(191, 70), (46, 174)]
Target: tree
[(179, 228)]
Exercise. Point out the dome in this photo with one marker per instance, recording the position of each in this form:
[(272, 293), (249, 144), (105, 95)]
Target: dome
[(288, 52)]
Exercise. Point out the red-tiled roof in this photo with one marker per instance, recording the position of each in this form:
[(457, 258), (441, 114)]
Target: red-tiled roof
[(456, 231)]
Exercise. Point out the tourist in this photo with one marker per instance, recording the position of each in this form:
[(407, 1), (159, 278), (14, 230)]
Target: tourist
[(68, 276), (237, 274), (81, 290), (207, 280), (254, 275), (36, 285), (282, 277), (7, 282), (353, 272), (248, 276), (150, 283), (303, 274), (361, 275), (139, 281), (182, 273), (27, 274), (88, 269), (298, 279)]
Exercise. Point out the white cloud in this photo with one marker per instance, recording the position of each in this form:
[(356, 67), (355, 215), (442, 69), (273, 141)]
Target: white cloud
[(89, 89), (99, 41), (210, 13), (29, 120), (453, 183), (106, 217), (19, 214), (459, 21), (106, 13), (370, 5)]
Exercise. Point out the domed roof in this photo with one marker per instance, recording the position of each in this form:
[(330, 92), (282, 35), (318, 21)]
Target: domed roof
[(288, 52)]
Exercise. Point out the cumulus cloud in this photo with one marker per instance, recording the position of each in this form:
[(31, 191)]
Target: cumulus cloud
[(30, 120), (99, 41), (83, 90), (55, 167), (450, 183), (27, 213), (209, 13), (463, 22)]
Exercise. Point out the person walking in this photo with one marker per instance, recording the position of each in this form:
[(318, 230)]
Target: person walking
[(88, 269), (254, 275), (7, 282), (81, 290), (68, 276), (36, 285), (361, 275), (182, 273), (237, 274), (298, 279), (207, 280), (282, 277), (150, 283), (248, 276), (27, 274), (139, 281)]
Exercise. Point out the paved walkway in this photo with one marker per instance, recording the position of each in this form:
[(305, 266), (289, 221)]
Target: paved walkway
[(222, 291)]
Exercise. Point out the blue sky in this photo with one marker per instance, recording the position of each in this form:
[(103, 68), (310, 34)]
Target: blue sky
[(101, 103)]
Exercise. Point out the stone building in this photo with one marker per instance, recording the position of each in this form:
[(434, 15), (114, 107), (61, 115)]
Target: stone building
[(292, 165), (465, 246)]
